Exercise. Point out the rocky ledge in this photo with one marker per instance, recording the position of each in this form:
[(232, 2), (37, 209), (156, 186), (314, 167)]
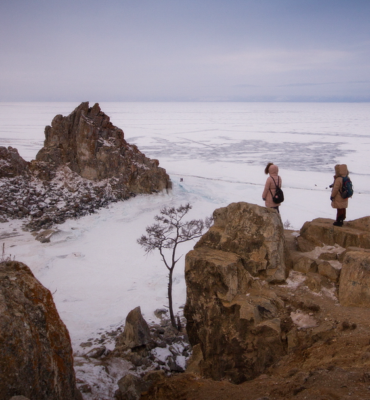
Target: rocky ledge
[(85, 164)]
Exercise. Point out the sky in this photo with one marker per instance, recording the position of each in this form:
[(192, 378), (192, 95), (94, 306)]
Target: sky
[(194, 50)]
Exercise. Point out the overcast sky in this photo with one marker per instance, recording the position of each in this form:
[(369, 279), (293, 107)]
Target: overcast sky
[(185, 50)]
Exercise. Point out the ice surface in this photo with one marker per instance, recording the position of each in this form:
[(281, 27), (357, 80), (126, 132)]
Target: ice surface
[(94, 267)]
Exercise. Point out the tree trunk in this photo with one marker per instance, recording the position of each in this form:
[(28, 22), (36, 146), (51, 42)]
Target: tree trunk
[(173, 322)]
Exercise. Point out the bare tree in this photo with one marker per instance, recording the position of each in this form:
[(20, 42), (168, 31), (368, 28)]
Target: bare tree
[(167, 233)]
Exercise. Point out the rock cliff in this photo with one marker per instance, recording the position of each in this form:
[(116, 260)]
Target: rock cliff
[(36, 354), (302, 338), (85, 164), (231, 313)]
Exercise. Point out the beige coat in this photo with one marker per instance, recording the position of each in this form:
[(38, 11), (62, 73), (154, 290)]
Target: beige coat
[(270, 185), (338, 201)]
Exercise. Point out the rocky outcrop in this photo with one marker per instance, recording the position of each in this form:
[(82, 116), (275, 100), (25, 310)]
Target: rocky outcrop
[(322, 350), (85, 164), (36, 355), (255, 234), (95, 149), (321, 232), (11, 163), (234, 316)]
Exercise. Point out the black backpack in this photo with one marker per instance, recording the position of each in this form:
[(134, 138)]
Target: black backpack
[(278, 197)]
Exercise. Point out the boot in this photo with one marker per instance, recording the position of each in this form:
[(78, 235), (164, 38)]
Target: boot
[(338, 223)]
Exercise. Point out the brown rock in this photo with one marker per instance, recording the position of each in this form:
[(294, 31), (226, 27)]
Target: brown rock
[(328, 256), (304, 245), (193, 365), (11, 163), (130, 387), (305, 264), (353, 233), (94, 148), (354, 284), (136, 332), (234, 317), (327, 270), (316, 282), (254, 233), (36, 355)]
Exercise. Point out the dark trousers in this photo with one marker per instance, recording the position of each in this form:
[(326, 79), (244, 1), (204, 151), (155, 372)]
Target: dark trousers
[(341, 214), (277, 209)]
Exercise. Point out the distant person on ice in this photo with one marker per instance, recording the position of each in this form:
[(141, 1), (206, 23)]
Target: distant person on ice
[(336, 198), (272, 182)]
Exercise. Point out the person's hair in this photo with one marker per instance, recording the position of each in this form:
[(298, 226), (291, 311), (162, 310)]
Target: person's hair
[(267, 167)]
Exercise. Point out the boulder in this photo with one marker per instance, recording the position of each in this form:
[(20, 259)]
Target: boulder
[(254, 233), (136, 332), (321, 231), (36, 354), (11, 163), (130, 387), (326, 269), (354, 283), (233, 316), (305, 264)]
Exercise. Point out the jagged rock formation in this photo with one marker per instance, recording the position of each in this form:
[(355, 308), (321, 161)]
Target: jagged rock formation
[(85, 164), (235, 317), (36, 354), (95, 149)]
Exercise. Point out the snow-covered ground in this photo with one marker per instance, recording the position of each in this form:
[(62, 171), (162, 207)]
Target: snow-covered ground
[(94, 267)]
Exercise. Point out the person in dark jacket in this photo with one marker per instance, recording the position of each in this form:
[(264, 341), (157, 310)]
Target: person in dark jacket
[(270, 187), (336, 198)]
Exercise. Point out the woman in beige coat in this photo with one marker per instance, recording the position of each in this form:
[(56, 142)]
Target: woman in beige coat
[(336, 198), (270, 186)]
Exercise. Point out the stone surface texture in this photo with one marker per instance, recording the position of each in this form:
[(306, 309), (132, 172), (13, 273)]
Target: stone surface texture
[(321, 231), (234, 316), (36, 354), (354, 284), (255, 234)]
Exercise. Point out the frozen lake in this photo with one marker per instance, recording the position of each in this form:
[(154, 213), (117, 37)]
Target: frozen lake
[(94, 266)]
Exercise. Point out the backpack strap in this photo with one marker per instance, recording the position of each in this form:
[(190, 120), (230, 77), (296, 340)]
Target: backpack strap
[(275, 185)]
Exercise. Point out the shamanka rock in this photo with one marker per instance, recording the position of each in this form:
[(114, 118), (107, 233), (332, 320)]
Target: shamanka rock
[(85, 164), (95, 149), (36, 354)]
